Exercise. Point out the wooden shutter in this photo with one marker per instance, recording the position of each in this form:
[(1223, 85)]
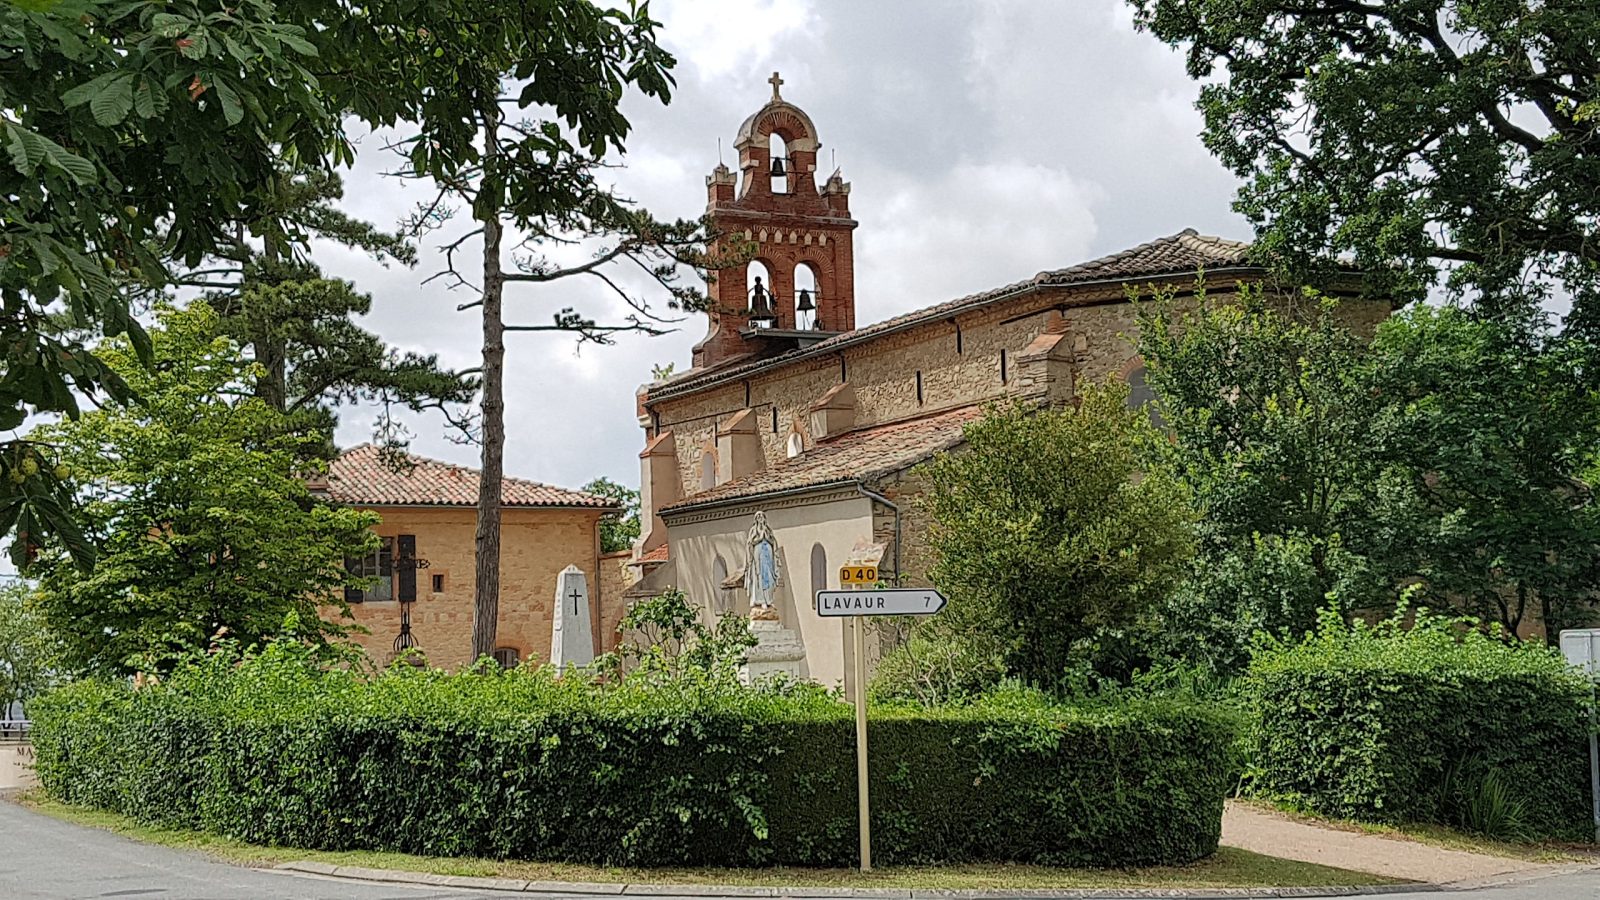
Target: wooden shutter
[(405, 574), (352, 594)]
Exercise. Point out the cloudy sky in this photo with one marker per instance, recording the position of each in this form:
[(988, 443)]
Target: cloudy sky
[(984, 142)]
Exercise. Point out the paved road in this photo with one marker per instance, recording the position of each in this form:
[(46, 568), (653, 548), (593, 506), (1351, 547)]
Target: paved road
[(46, 859)]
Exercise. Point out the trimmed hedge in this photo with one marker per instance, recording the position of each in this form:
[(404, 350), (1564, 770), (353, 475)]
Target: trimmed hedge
[(1391, 724), (525, 765)]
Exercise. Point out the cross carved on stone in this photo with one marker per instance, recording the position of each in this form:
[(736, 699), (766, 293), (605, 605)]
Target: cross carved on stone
[(775, 81), (575, 596)]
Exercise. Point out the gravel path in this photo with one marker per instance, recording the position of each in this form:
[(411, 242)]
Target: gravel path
[(1261, 831)]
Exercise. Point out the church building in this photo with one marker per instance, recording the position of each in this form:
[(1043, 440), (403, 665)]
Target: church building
[(796, 433)]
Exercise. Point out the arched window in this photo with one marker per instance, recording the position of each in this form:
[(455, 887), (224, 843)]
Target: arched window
[(1141, 395), (722, 597), (708, 470), (506, 656), (819, 568), (795, 446), (779, 153), (763, 305), (806, 297)]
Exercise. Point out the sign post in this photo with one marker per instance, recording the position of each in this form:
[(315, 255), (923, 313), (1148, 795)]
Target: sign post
[(1581, 647), (857, 604)]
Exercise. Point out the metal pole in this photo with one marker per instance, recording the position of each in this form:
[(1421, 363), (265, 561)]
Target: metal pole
[(858, 638), (1594, 762)]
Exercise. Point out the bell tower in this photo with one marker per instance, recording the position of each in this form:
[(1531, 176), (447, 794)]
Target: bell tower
[(802, 237)]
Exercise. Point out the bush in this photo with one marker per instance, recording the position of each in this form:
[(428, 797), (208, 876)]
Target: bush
[(528, 765), (1385, 723)]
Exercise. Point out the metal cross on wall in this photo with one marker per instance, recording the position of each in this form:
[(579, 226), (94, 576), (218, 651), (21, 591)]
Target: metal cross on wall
[(404, 563)]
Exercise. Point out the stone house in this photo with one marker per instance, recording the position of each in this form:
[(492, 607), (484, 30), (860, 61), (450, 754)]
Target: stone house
[(423, 588), (791, 410)]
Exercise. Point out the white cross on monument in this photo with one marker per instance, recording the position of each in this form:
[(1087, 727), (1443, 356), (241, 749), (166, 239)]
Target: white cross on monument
[(775, 81)]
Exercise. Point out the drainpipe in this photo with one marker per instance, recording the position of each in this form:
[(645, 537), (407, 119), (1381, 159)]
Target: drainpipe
[(874, 495)]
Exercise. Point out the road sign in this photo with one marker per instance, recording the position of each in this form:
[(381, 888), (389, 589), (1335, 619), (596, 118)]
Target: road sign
[(887, 602), (1581, 647), (858, 575)]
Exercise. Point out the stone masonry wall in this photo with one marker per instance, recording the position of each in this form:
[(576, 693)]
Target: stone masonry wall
[(536, 544)]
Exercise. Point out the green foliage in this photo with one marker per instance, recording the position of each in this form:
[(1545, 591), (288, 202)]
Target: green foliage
[(30, 653), (1485, 436), (1450, 451), (534, 765), (1053, 532), (198, 506), (134, 133), (1382, 133), (1404, 720), (664, 638), (619, 531)]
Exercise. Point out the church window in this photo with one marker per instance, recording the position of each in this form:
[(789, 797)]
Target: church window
[(959, 347), (1002, 365), (919, 387), (819, 568), (796, 445), (774, 420), (781, 164), (708, 470), (1142, 396), (806, 297), (507, 657)]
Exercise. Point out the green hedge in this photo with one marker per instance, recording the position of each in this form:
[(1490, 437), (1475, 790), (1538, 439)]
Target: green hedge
[(1393, 724), (524, 765)]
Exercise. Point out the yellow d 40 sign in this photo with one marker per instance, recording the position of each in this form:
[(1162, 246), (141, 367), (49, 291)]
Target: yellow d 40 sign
[(858, 575)]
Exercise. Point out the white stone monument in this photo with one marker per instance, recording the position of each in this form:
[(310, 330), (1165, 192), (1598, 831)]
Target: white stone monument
[(572, 637)]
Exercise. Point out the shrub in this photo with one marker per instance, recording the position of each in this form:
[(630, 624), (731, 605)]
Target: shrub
[(1387, 723), (693, 772)]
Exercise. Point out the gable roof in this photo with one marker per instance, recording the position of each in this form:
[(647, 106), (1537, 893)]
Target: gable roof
[(360, 477), (1186, 252), (851, 458)]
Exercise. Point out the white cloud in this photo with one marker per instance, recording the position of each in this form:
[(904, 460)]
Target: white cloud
[(721, 38)]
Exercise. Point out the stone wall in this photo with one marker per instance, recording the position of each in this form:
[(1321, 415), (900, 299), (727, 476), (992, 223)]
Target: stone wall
[(536, 544), (616, 576)]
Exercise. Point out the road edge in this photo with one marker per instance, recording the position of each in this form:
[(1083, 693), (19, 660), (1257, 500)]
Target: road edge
[(598, 889)]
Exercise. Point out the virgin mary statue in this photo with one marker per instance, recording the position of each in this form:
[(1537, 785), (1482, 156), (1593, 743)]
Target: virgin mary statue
[(763, 570)]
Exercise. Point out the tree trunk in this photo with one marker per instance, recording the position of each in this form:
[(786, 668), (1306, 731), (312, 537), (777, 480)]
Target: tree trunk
[(486, 596)]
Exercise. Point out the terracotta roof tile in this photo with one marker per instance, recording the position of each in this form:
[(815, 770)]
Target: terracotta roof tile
[(658, 555), (854, 456), (1177, 254), (358, 477)]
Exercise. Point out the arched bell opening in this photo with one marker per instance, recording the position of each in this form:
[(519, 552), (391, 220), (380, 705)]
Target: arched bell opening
[(807, 298), (779, 164), (763, 308)]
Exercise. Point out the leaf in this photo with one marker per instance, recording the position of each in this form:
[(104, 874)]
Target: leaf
[(298, 44), (170, 25), (79, 169), (114, 101), (232, 110), (18, 147), (65, 527)]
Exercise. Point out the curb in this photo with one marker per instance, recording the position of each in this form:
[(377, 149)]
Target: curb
[(513, 885)]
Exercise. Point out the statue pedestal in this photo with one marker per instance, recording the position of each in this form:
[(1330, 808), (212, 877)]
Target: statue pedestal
[(778, 651)]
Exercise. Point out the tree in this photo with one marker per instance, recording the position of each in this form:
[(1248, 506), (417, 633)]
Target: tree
[(1271, 416), (1487, 432), (1054, 531), (299, 324), (197, 502), (30, 654), (135, 133), (1415, 136), (533, 183), (617, 532)]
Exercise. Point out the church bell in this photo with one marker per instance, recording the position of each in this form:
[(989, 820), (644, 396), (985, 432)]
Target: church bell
[(777, 168), (805, 304)]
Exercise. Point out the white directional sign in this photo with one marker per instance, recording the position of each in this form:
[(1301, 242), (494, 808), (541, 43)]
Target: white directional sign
[(1581, 646), (887, 602)]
